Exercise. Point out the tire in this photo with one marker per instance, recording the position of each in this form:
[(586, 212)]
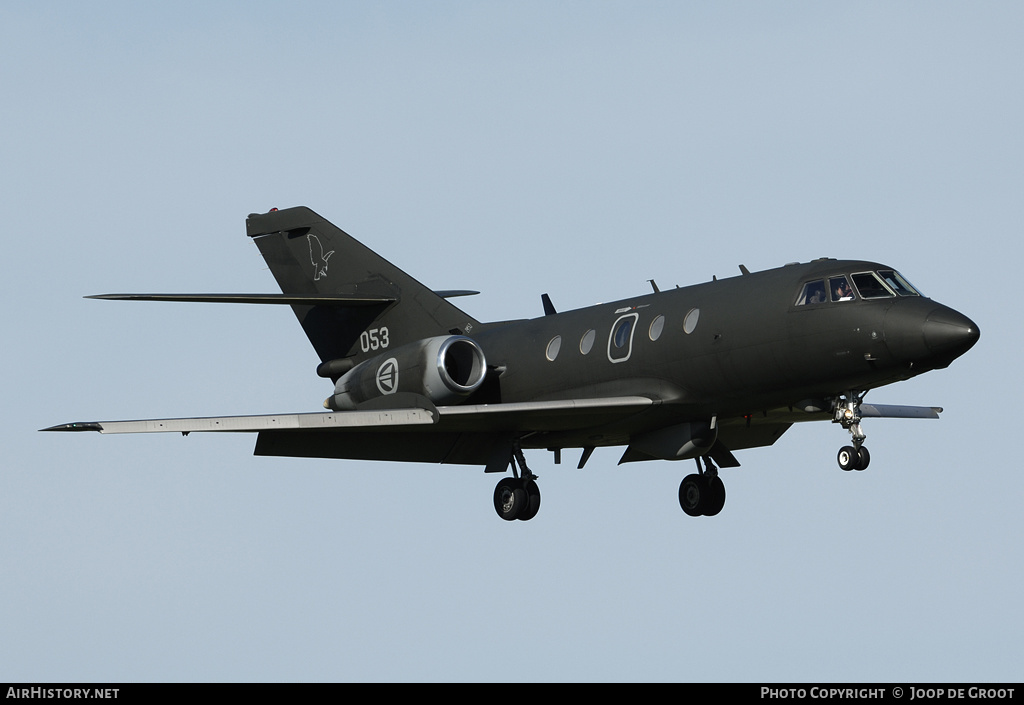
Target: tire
[(532, 505), (715, 496), (693, 495), (509, 499), (863, 458), (848, 458)]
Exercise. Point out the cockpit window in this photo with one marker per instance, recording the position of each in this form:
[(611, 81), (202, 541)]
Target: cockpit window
[(813, 293), (839, 288), (883, 284), (897, 283), (870, 286)]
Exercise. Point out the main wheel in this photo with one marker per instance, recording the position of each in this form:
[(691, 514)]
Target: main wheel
[(532, 505), (510, 499), (715, 495), (693, 495)]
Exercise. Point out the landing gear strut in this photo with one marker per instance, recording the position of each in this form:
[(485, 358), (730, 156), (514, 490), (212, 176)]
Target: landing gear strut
[(517, 497), (703, 493), (847, 413)]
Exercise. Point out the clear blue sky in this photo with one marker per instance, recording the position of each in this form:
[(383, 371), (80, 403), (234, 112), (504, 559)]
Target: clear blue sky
[(574, 148)]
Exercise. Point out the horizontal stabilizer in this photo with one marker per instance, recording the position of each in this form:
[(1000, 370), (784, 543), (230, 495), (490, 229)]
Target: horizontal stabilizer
[(288, 299)]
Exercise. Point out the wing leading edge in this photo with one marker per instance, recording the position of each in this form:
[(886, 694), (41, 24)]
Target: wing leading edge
[(244, 424), (474, 417)]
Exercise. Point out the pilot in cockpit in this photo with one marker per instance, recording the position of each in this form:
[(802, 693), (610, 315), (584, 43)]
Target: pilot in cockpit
[(842, 291)]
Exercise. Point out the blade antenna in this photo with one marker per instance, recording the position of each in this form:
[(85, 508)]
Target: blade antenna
[(549, 308)]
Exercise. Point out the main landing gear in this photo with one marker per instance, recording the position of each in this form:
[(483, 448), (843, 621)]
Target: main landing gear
[(703, 493), (847, 413), (517, 497)]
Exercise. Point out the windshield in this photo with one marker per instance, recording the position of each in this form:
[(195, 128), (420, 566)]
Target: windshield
[(897, 283), (883, 284), (870, 286)]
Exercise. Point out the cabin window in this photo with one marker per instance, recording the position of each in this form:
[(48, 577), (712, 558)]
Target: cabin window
[(690, 322), (553, 347), (620, 340), (897, 283), (657, 326), (870, 286), (839, 288), (587, 341), (812, 293), (622, 333)]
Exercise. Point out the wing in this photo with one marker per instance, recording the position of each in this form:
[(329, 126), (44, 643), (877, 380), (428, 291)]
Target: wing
[(536, 416), (896, 411), (473, 434), (764, 428), (277, 422), (480, 434)]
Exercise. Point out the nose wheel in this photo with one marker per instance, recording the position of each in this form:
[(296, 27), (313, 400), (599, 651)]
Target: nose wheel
[(847, 414), (851, 458)]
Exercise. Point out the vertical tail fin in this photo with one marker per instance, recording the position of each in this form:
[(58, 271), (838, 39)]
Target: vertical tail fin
[(311, 257)]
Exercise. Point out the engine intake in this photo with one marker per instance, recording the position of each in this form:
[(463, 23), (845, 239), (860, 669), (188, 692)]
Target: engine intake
[(444, 369)]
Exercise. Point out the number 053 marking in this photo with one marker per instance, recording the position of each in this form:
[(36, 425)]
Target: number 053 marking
[(374, 339)]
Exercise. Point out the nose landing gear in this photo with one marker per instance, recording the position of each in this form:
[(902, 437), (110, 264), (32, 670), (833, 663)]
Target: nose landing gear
[(847, 413)]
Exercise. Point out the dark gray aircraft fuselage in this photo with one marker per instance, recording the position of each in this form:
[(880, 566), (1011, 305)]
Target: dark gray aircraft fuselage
[(750, 348)]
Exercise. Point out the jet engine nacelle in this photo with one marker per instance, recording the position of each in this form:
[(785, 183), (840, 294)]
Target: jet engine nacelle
[(443, 369)]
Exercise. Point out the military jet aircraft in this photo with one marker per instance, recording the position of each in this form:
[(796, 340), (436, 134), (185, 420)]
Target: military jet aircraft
[(698, 372)]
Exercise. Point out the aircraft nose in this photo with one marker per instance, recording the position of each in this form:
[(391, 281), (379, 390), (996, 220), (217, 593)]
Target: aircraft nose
[(949, 333), (928, 335)]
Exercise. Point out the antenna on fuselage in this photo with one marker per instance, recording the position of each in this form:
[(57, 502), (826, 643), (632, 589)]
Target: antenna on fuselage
[(549, 308)]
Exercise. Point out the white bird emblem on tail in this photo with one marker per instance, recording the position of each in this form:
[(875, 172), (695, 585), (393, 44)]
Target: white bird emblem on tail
[(318, 257)]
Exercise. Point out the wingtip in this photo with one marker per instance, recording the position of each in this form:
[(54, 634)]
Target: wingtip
[(77, 426)]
